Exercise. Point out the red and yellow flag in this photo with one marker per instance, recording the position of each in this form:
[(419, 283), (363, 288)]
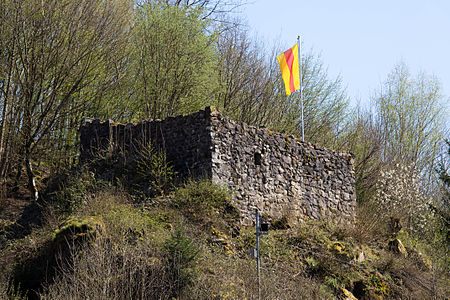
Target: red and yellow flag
[(289, 69)]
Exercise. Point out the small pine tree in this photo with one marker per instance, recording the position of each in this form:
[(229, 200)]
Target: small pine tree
[(155, 168), (181, 257)]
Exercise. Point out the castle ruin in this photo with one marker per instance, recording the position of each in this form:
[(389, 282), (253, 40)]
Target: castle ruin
[(277, 173)]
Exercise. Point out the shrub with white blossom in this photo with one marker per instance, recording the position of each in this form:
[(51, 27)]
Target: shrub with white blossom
[(399, 195)]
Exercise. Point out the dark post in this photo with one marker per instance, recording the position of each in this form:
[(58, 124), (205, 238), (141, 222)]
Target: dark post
[(259, 228)]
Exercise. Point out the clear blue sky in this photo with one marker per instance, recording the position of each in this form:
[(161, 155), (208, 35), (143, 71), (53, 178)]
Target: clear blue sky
[(361, 40)]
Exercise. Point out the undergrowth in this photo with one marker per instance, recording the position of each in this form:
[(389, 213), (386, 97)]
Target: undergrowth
[(192, 246)]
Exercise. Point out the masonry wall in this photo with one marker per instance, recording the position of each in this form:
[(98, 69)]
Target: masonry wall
[(279, 174), (185, 139)]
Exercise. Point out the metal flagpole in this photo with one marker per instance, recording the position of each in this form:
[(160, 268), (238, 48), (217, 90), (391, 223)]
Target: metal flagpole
[(301, 85)]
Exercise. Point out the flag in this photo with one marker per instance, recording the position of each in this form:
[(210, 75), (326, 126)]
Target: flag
[(289, 69)]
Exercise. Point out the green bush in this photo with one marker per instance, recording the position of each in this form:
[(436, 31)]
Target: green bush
[(202, 197), (69, 191)]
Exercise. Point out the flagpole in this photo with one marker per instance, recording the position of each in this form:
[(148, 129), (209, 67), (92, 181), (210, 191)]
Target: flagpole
[(301, 87)]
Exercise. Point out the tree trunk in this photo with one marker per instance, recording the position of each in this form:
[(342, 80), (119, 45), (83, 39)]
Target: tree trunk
[(3, 124), (16, 186), (31, 178), (3, 162)]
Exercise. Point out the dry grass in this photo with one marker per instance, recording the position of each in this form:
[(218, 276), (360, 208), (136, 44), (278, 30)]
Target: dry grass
[(108, 271), (129, 260), (231, 277), (132, 258)]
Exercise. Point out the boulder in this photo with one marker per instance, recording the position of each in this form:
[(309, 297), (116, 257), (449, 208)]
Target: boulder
[(348, 295), (396, 246)]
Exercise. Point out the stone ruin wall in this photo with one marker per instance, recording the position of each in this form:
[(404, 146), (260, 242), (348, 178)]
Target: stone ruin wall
[(185, 139), (279, 174)]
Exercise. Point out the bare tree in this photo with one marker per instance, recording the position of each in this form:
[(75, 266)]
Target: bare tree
[(251, 90), (246, 80), (51, 52), (411, 114), (212, 9), (174, 59), (363, 138), (404, 127)]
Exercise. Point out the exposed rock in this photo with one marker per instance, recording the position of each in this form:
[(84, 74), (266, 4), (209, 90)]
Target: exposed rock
[(348, 295), (425, 260), (281, 223), (396, 246), (361, 257), (77, 230), (339, 248), (395, 226)]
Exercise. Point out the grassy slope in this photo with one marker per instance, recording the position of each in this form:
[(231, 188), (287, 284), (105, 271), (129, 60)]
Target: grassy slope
[(190, 244)]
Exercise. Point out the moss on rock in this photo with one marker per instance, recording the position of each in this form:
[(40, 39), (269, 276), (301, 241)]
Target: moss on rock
[(78, 229)]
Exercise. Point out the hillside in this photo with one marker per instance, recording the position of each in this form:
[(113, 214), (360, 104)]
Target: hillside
[(125, 218), (95, 240)]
